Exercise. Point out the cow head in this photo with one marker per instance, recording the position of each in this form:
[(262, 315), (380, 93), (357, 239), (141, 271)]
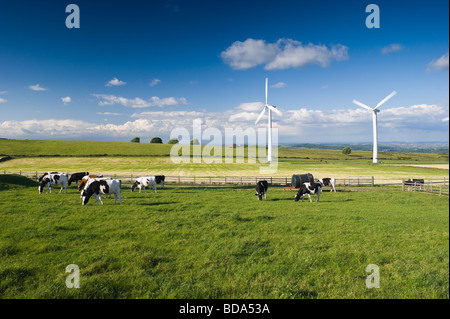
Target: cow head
[(86, 194), (136, 183), (44, 181)]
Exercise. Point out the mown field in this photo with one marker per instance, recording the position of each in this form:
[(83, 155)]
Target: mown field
[(152, 159), (201, 242)]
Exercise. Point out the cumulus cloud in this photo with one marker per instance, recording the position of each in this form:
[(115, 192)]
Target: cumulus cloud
[(408, 123), (438, 64), (37, 87), (394, 47), (66, 99), (283, 54), (108, 113), (139, 102), (279, 85), (154, 82), (115, 82), (2, 100)]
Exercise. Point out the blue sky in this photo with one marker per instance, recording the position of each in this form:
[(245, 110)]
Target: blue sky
[(168, 62)]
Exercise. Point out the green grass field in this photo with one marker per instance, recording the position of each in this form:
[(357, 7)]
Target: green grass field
[(150, 159), (194, 242)]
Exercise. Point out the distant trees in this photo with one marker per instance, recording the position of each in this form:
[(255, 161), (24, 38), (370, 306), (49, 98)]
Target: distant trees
[(173, 141), (195, 142), (136, 140), (346, 150), (157, 140)]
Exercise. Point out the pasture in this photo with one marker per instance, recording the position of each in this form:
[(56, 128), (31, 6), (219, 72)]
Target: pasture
[(221, 242)]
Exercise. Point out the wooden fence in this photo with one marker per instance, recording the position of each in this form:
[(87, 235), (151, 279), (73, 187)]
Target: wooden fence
[(222, 180), (440, 188)]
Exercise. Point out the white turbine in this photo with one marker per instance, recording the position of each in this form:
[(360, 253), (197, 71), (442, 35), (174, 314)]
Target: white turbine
[(374, 118), (269, 124)]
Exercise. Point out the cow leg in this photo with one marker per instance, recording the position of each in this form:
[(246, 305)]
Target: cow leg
[(101, 200), (310, 200)]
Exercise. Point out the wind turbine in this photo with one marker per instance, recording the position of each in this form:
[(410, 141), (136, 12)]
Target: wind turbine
[(269, 124), (374, 118)]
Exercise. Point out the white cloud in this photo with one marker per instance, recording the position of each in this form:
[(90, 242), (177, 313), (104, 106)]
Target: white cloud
[(37, 87), (417, 122), (3, 92), (394, 47), (284, 54), (279, 85), (439, 64), (108, 113), (66, 99), (154, 82), (2, 100), (115, 82), (138, 102)]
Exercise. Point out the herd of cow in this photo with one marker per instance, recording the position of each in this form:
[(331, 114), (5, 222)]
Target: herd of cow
[(306, 188), (96, 185)]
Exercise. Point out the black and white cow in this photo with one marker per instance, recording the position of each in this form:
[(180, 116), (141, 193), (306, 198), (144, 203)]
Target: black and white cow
[(309, 189), (414, 182), (88, 180), (160, 180), (105, 186), (261, 189), (75, 177), (143, 182), (53, 179), (45, 174), (328, 182)]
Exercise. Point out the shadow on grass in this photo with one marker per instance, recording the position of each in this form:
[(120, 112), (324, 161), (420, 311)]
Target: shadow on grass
[(8, 181)]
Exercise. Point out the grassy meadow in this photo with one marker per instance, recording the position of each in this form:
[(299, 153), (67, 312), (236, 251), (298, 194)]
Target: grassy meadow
[(151, 159), (210, 242), (220, 242)]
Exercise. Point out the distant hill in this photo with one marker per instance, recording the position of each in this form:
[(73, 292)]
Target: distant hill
[(382, 147)]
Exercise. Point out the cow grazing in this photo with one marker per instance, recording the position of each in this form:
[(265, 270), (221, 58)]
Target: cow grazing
[(45, 174), (85, 179), (143, 182), (89, 181), (309, 189), (160, 180), (75, 177), (53, 179), (328, 182), (104, 186), (261, 189)]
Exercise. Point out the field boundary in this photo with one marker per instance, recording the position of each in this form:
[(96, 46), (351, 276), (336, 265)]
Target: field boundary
[(440, 188), (357, 181)]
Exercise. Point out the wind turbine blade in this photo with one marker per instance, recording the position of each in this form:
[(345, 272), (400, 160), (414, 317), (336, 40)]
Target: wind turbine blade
[(362, 105), (267, 83), (260, 115), (274, 109), (385, 99)]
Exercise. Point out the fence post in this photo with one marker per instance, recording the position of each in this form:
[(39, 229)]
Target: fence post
[(373, 181), (440, 190), (403, 185)]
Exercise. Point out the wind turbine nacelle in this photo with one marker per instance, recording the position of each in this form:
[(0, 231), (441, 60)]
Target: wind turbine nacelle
[(377, 111)]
